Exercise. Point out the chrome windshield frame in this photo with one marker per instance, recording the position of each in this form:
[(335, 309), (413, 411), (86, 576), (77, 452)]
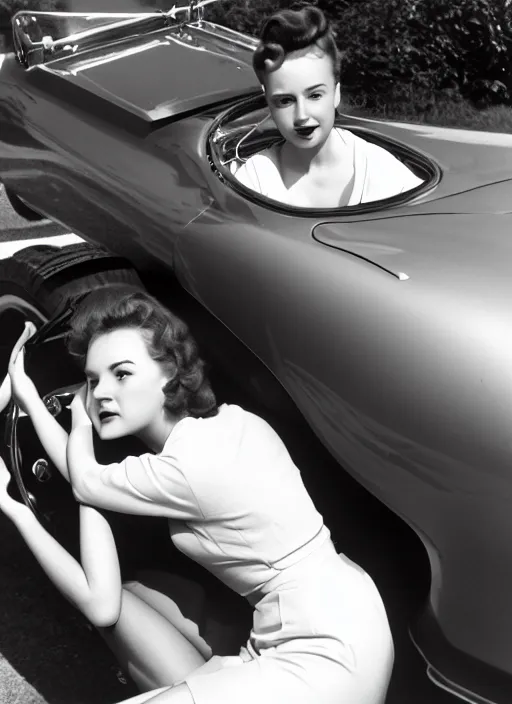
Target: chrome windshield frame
[(31, 53)]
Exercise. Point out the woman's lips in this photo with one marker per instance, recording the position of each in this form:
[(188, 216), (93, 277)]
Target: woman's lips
[(305, 131), (106, 416)]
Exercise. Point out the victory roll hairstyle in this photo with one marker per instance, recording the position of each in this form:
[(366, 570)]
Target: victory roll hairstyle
[(293, 30), (168, 339)]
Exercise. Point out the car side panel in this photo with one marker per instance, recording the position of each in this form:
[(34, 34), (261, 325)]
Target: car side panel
[(408, 387)]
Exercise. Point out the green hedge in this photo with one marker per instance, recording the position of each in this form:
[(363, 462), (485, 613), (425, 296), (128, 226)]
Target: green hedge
[(460, 47)]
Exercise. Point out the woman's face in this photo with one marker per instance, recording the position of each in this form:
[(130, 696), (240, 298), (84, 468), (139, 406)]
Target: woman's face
[(302, 95), (125, 385)]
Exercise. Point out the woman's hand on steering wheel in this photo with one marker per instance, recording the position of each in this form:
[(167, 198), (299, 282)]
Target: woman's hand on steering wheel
[(22, 386)]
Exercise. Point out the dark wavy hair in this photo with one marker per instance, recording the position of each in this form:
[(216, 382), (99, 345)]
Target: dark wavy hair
[(169, 341), (292, 30)]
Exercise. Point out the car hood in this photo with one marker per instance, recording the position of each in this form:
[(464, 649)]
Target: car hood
[(469, 253), (161, 75)]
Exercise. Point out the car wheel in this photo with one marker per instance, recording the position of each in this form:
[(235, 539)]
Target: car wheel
[(21, 208), (35, 284)]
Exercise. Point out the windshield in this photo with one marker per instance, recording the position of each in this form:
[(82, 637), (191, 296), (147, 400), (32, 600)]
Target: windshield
[(40, 36)]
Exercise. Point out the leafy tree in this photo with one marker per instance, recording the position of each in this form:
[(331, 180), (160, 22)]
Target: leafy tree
[(248, 15), (403, 48)]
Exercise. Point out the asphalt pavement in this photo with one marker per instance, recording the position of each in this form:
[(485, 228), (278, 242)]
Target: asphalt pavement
[(48, 654), (16, 232)]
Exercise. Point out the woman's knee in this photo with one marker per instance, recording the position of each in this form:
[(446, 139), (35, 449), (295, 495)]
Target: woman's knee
[(168, 592)]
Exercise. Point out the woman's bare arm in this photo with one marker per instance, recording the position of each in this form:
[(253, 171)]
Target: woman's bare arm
[(94, 586), (52, 435)]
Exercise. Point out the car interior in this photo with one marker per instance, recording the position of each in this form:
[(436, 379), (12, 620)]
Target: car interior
[(248, 129)]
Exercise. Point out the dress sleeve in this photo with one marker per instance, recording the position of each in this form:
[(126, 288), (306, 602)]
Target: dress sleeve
[(152, 485), (408, 178), (386, 175)]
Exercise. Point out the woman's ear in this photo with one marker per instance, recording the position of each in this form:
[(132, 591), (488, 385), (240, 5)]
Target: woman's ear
[(337, 95)]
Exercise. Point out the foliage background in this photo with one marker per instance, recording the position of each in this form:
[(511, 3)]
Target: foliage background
[(439, 61)]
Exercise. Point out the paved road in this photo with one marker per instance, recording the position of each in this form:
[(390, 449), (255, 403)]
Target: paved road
[(16, 233), (47, 653)]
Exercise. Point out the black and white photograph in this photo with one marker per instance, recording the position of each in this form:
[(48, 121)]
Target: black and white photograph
[(255, 339)]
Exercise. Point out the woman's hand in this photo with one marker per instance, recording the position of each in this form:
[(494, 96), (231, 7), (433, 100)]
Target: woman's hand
[(79, 415), (22, 386)]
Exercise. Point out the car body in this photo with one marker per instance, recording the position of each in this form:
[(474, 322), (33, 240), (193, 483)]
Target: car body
[(387, 325)]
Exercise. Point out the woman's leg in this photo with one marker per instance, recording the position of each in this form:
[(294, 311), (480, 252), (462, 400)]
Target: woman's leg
[(211, 616), (179, 600), (149, 648), (169, 626)]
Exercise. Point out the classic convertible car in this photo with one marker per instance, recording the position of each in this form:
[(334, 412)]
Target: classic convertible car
[(386, 326)]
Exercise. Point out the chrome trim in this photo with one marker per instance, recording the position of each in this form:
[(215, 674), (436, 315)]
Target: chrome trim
[(55, 401), (454, 689), (30, 52), (42, 470), (231, 35)]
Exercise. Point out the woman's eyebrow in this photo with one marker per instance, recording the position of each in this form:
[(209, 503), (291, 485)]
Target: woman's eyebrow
[(278, 94), (123, 361), (88, 372)]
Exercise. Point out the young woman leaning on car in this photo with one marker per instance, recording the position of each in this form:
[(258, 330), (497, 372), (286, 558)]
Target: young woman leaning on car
[(236, 504), (317, 165)]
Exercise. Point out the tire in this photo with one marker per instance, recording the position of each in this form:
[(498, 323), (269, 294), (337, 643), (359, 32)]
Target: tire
[(46, 277), (21, 208), (35, 284)]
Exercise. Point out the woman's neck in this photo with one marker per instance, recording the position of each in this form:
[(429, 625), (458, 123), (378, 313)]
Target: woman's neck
[(302, 160), (157, 435)]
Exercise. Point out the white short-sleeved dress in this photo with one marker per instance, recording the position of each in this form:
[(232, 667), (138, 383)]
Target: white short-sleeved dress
[(378, 174), (239, 507)]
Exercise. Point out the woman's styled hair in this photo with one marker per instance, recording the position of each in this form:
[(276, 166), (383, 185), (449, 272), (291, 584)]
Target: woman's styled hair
[(188, 392), (292, 30)]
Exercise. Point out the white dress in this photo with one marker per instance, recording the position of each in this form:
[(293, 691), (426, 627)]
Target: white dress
[(377, 173), (239, 507)]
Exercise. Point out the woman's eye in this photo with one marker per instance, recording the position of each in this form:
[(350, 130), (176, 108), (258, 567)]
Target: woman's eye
[(91, 383), (282, 102), (315, 96), (121, 374)]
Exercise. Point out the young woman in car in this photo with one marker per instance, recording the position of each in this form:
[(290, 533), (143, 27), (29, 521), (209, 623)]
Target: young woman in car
[(236, 504), (317, 165)]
